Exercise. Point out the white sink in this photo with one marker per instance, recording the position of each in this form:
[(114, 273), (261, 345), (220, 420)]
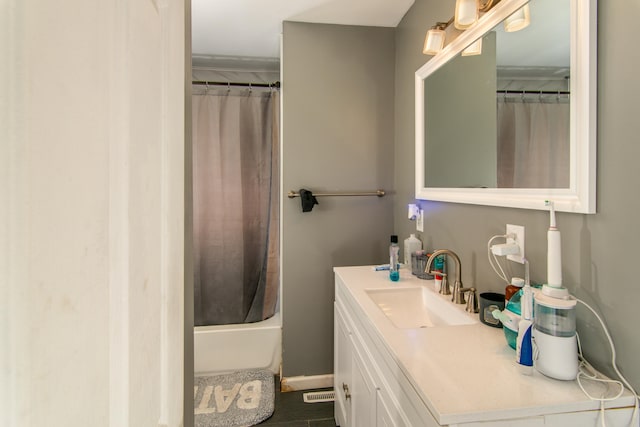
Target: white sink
[(417, 307)]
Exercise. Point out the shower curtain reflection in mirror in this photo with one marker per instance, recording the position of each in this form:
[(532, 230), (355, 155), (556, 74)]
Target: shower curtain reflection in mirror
[(533, 142), (236, 204)]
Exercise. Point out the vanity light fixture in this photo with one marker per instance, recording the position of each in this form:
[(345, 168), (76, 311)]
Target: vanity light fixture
[(466, 13), (520, 19), (474, 48), (434, 41), (486, 5)]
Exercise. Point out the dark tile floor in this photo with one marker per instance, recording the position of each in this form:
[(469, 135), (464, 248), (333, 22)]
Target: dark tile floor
[(290, 410)]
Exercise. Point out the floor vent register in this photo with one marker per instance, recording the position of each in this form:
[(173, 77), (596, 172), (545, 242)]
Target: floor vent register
[(319, 396)]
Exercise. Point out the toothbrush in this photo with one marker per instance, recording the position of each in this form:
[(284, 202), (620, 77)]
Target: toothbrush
[(527, 294), (554, 254)]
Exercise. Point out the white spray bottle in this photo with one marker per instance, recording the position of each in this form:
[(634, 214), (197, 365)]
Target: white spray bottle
[(554, 254)]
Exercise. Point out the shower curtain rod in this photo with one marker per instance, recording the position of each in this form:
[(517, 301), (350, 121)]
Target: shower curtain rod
[(206, 83)]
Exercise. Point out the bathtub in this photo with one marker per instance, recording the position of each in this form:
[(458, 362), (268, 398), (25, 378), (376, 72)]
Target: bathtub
[(225, 348)]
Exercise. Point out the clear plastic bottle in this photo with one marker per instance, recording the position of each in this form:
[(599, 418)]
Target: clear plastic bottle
[(394, 249), (411, 245)]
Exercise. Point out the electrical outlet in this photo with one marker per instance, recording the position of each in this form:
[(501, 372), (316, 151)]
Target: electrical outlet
[(420, 220), (518, 230)]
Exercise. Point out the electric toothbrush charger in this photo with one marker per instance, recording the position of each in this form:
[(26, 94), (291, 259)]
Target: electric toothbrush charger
[(555, 357)]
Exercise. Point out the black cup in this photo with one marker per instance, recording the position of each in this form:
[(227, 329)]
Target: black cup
[(490, 301)]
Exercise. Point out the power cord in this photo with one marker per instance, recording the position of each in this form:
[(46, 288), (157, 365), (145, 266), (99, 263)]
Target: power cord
[(501, 274), (587, 371)]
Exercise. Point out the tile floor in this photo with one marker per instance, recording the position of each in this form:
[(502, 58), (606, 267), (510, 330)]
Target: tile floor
[(291, 411)]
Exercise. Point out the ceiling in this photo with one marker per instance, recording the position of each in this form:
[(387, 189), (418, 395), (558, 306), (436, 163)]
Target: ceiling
[(252, 28), (237, 36)]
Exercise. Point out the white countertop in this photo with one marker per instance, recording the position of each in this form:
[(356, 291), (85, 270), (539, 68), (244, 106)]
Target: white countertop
[(463, 373)]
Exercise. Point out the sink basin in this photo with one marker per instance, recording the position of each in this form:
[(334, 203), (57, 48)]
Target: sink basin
[(417, 307)]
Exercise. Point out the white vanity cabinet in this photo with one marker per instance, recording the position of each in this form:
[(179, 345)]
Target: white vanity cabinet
[(386, 376), (355, 388), (342, 369), (367, 391)]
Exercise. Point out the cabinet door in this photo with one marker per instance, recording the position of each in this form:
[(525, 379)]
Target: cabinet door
[(387, 414), (363, 393), (342, 370)]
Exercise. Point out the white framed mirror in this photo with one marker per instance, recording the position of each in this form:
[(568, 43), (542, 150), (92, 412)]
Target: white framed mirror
[(458, 158)]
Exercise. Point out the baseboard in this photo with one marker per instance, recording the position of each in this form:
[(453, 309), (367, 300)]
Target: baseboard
[(305, 382)]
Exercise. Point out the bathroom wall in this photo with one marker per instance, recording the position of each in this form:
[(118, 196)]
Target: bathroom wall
[(599, 251), (337, 136)]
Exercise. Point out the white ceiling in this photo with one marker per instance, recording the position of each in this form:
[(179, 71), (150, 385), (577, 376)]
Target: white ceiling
[(251, 28), (244, 35)]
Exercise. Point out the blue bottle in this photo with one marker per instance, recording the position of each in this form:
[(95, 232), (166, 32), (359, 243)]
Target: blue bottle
[(394, 249)]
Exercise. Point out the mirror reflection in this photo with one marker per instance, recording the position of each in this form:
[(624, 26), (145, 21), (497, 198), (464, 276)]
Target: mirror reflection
[(501, 119)]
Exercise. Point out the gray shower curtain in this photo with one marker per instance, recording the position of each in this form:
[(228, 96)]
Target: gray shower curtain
[(533, 142), (236, 204)]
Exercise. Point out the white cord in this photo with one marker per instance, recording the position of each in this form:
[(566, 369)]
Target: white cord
[(592, 376), (501, 274)]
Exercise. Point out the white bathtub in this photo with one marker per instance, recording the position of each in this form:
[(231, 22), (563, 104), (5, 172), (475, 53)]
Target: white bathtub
[(226, 348)]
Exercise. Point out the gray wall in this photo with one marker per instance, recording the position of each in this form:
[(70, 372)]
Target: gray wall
[(337, 136), (599, 251)]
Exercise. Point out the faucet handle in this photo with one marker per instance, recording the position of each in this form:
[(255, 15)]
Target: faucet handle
[(445, 289), (472, 300)]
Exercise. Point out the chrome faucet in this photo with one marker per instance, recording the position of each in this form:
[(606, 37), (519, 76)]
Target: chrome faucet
[(458, 291)]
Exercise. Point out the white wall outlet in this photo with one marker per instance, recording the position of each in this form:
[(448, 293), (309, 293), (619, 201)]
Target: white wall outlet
[(420, 220), (518, 231)]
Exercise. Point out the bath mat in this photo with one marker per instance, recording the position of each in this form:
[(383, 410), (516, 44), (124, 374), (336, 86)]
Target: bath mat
[(238, 399)]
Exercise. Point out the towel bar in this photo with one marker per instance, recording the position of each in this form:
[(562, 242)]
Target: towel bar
[(380, 193)]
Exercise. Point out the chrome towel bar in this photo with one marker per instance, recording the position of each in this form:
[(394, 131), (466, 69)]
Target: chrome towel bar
[(380, 193)]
